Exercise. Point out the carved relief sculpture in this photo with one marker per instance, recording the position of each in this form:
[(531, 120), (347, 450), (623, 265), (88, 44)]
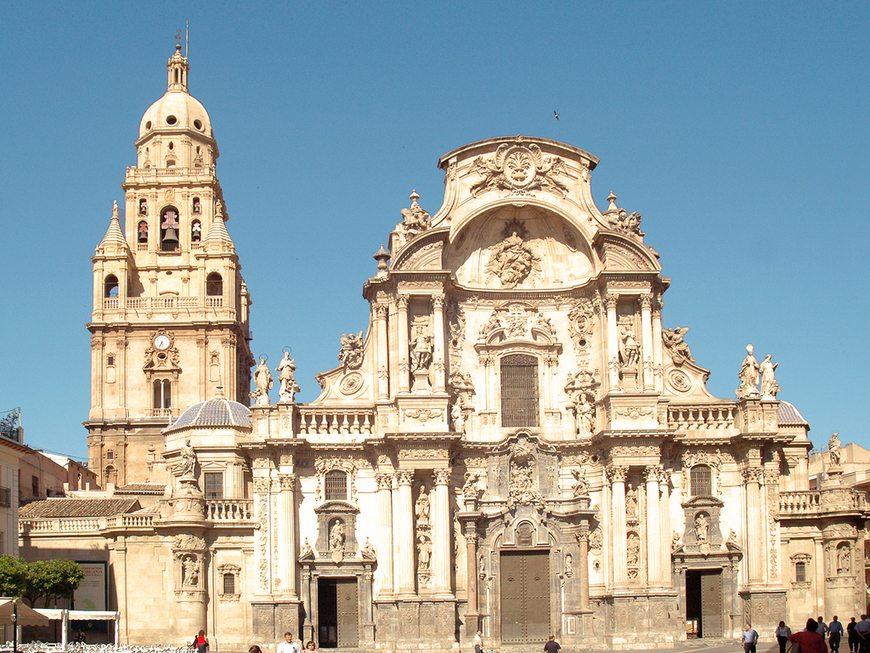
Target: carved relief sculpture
[(469, 488), (351, 353), (676, 346), (519, 169), (581, 483), (522, 489), (415, 220), (512, 261), (748, 376)]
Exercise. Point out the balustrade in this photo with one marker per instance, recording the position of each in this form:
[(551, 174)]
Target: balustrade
[(703, 417), (799, 503), (313, 421), (229, 510)]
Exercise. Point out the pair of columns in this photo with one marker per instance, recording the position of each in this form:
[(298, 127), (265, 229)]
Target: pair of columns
[(398, 533), (655, 520), (650, 341), (382, 348), (278, 496)]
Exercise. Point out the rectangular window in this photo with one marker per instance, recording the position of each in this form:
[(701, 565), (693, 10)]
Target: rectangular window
[(519, 391), (5, 497), (336, 485), (229, 584), (214, 485), (800, 572)]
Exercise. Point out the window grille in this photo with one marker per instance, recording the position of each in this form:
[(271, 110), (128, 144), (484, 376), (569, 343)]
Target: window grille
[(519, 391), (214, 486), (336, 485), (5, 497), (702, 485), (229, 583), (800, 572)]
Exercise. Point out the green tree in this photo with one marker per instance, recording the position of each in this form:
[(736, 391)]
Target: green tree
[(51, 580), (13, 576)]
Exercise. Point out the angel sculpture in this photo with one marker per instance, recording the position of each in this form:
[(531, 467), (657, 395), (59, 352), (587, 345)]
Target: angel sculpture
[(673, 341), (351, 354)]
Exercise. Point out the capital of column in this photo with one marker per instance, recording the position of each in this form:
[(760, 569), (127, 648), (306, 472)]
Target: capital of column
[(610, 300), (287, 481), (646, 302), (442, 476), (262, 484), (385, 481), (752, 474), (402, 301), (405, 477), (582, 536), (380, 311), (471, 538), (617, 473), (653, 473), (437, 301)]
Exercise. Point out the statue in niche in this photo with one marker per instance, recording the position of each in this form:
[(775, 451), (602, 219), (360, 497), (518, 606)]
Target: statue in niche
[(481, 566), (632, 549), (674, 343), (187, 466), (512, 261), (421, 349), (285, 370), (630, 349), (422, 506), (351, 353), (748, 375), (844, 566), (585, 415), (581, 483), (424, 551), (469, 489), (569, 565), (631, 504), (834, 446), (368, 551), (702, 527), (457, 414), (769, 386), (190, 571), (263, 380), (336, 537)]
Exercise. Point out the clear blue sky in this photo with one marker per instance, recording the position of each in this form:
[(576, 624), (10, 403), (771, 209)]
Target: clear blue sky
[(738, 129)]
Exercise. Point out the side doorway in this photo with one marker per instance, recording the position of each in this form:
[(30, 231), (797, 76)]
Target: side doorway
[(704, 603), (337, 613)]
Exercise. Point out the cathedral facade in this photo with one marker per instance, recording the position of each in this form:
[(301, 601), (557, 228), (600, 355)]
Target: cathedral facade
[(517, 444)]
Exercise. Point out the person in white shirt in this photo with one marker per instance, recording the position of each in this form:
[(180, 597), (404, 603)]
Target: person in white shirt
[(288, 645)]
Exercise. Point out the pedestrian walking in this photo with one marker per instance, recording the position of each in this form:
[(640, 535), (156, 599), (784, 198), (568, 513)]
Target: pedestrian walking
[(862, 630), (782, 632), (552, 646), (809, 640), (835, 633), (750, 639), (852, 636)]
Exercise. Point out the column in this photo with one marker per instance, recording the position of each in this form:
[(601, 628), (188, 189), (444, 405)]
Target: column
[(403, 539), (665, 522), (610, 301), (617, 476), (470, 528), (441, 533), (657, 342), (404, 365), (653, 526), (385, 562), (438, 354), (383, 370), (646, 347), (755, 522), (583, 566), (289, 551)]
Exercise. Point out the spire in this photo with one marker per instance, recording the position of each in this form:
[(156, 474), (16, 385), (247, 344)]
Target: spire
[(218, 232), (178, 68), (114, 238)]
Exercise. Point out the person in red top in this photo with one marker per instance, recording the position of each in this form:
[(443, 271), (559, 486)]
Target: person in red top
[(809, 640)]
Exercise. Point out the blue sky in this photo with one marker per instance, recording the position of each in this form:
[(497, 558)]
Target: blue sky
[(739, 130)]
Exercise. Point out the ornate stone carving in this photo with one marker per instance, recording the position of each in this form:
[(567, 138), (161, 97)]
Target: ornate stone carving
[(520, 169), (675, 346), (596, 541), (834, 446), (470, 489), (456, 328), (512, 260), (423, 414), (633, 412), (368, 551), (581, 324), (421, 344), (617, 473), (415, 220), (522, 488), (351, 383), (307, 553), (421, 453), (442, 476), (351, 353), (620, 220), (769, 386), (581, 483), (748, 376), (385, 481)]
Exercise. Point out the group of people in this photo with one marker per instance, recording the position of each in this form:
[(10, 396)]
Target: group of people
[(289, 645), (812, 638)]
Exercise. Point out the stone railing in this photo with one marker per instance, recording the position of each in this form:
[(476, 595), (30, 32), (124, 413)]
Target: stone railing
[(337, 421), (66, 525), (229, 510), (702, 417), (158, 303), (135, 521), (799, 503)]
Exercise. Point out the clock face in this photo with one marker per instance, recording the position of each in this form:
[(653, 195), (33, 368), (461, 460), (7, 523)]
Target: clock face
[(162, 342)]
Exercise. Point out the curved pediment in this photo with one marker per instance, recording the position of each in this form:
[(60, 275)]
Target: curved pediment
[(619, 252)]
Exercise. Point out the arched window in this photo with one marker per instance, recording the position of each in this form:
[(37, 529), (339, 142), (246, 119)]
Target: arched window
[(110, 288), (162, 393), (142, 232), (143, 206), (169, 229), (335, 483), (519, 391), (214, 285), (197, 204), (111, 474), (195, 231), (701, 481)]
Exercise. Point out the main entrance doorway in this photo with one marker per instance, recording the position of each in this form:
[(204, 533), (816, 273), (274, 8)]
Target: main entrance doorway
[(337, 613), (525, 597), (704, 603)]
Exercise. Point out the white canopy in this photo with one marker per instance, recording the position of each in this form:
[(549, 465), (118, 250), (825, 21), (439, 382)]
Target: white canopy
[(27, 616)]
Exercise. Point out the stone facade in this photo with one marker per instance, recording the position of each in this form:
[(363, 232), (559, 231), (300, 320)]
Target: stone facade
[(517, 444)]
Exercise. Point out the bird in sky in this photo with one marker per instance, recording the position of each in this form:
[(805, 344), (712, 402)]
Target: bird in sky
[(556, 114)]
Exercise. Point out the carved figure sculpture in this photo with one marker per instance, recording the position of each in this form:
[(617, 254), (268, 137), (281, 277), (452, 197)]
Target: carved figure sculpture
[(264, 381), (630, 349), (421, 349), (512, 261), (676, 346), (834, 445), (368, 551), (569, 565), (469, 488), (844, 566), (458, 416), (336, 536), (631, 504), (581, 483), (585, 415), (702, 527), (632, 549), (424, 551), (415, 220), (285, 370), (748, 375), (190, 571), (351, 353), (769, 386), (422, 506), (307, 553), (187, 466), (675, 540)]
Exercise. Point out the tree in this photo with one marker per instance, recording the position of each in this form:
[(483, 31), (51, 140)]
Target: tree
[(51, 580), (13, 576)]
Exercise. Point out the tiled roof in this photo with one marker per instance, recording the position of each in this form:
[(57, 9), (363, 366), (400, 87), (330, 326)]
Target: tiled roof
[(78, 507), (214, 412), (788, 415), (141, 488)]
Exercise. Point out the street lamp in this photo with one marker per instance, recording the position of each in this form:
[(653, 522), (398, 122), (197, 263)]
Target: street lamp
[(14, 625)]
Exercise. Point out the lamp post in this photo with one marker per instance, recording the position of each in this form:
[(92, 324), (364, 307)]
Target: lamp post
[(14, 625)]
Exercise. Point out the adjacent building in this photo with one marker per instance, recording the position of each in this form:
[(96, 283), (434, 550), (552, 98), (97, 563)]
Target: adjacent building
[(519, 442)]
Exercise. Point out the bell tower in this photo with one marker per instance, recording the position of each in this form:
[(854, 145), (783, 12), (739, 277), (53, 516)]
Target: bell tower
[(170, 314)]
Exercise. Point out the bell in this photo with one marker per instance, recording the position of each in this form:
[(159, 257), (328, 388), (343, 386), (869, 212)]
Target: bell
[(171, 234)]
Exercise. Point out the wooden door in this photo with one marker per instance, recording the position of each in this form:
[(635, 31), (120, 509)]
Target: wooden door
[(525, 597), (347, 608)]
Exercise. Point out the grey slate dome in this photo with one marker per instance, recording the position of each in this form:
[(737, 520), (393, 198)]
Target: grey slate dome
[(788, 415), (216, 412)]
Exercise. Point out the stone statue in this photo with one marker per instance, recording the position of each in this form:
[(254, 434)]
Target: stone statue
[(675, 540), (421, 349), (732, 537), (631, 504), (190, 570), (285, 371), (581, 483), (481, 566), (512, 261), (264, 380), (748, 376), (630, 349), (368, 551), (469, 489), (585, 416), (834, 446), (422, 505), (458, 416), (307, 553), (569, 565), (415, 220), (633, 550), (187, 466), (351, 353), (424, 551), (336, 536), (702, 527), (844, 566), (769, 386), (673, 341)]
